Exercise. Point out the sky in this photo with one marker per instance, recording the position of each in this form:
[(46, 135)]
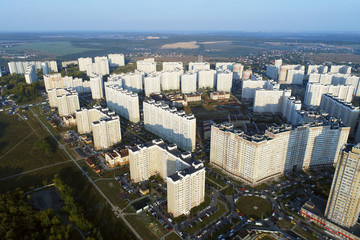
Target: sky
[(179, 15)]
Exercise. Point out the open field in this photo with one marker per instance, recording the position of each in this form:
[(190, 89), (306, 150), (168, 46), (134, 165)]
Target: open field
[(254, 207), (112, 189), (53, 48), (172, 236), (20, 156), (334, 57), (185, 45), (144, 225), (18, 145)]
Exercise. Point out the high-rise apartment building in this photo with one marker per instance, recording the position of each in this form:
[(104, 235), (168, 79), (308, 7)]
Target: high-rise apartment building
[(343, 206), (321, 69), (66, 100), (172, 66), (195, 66), (83, 63), (116, 60), (185, 177), (291, 74), (107, 126), (314, 92), (340, 69), (106, 132), (99, 67), (97, 87), (169, 124), (20, 67), (133, 81), (146, 66), (186, 189), (206, 78), (270, 101), (224, 81), (152, 83), (52, 81), (30, 74), (335, 107), (188, 82), (219, 66), (170, 80), (258, 158), (123, 102), (238, 70)]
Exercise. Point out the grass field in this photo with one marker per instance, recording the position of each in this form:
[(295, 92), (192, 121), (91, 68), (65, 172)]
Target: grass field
[(53, 48), (112, 189), (138, 224), (254, 207), (20, 156), (172, 236), (17, 145)]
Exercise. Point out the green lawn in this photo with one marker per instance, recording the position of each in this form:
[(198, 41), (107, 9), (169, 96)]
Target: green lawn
[(140, 227), (17, 145), (228, 191), (284, 224), (54, 48), (304, 233), (215, 180), (112, 189), (173, 236), (254, 207)]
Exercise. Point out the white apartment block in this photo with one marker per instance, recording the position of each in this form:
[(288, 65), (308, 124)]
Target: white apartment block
[(340, 69), (170, 80), (259, 158), (30, 74), (224, 81), (249, 87), (321, 69), (291, 74), (123, 102), (343, 206), (314, 92), (185, 177), (133, 81), (272, 71), (114, 79), (102, 58), (152, 83), (290, 110), (56, 81), (172, 66), (107, 130), (270, 101), (66, 100), (146, 66), (83, 62), (188, 82), (186, 189), (224, 66), (45, 68), (196, 66), (342, 110), (99, 67), (238, 70), (336, 79), (97, 87), (20, 67), (116, 60), (246, 74), (169, 124), (206, 78)]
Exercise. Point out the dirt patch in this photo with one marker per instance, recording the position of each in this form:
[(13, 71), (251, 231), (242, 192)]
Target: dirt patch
[(48, 198)]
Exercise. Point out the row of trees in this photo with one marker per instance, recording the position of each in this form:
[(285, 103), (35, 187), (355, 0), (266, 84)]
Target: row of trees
[(23, 92), (75, 211), (18, 220)]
